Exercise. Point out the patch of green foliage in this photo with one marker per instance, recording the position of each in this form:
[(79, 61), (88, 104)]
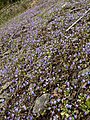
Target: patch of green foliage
[(5, 2)]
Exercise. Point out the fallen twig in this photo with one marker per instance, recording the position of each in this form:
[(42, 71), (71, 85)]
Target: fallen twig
[(78, 20)]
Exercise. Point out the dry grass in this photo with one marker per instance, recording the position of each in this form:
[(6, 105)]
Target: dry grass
[(10, 11)]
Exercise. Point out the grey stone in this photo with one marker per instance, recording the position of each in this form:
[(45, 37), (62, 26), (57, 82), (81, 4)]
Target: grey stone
[(84, 71), (41, 103)]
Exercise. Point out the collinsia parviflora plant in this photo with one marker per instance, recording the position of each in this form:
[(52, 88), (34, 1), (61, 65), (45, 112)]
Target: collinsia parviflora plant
[(38, 56)]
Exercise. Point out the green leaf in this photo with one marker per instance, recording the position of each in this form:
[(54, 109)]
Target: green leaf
[(73, 118), (88, 103)]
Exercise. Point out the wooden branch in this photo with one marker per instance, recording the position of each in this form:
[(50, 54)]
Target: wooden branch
[(78, 20)]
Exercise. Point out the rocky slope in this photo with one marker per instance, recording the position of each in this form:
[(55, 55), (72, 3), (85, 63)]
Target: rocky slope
[(44, 62)]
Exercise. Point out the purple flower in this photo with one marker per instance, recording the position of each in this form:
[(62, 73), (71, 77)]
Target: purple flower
[(12, 90), (75, 116), (66, 67), (85, 113), (53, 112), (24, 107), (33, 93), (79, 67), (68, 84), (58, 100), (38, 50), (68, 106), (83, 80), (88, 96), (70, 118), (83, 49), (87, 48), (77, 105), (0, 84), (87, 73), (16, 109), (56, 88), (16, 72), (58, 109), (51, 102), (82, 74), (80, 61), (55, 102), (31, 118), (4, 71), (88, 82), (54, 107), (13, 115)]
